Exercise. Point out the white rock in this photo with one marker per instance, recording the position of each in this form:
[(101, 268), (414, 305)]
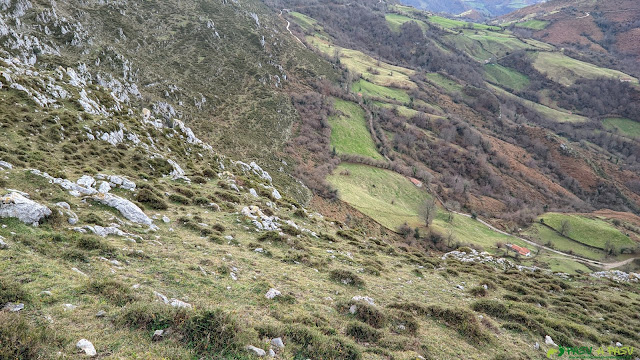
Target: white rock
[(6, 165), (17, 206), (180, 304), (3, 245), (253, 192), (87, 347), (69, 307), (272, 293), (11, 307), (86, 181), (366, 299), (353, 309), (161, 297), (46, 292), (165, 219), (549, 341), (272, 353), (276, 195), (128, 209), (104, 187), (618, 344), (536, 346), (79, 272), (277, 342), (63, 205), (101, 313), (157, 335), (256, 351)]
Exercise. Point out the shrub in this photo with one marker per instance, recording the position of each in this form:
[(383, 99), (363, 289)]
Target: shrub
[(150, 316), (272, 236), (290, 230), (21, 340), (179, 199), (362, 332), (114, 291), (346, 277), (463, 321), (478, 291), (366, 313), (12, 291), (90, 243), (184, 191), (202, 201), (312, 344), (147, 197), (93, 218), (404, 323), (213, 331)]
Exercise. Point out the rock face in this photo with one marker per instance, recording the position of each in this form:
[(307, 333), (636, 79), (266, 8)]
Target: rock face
[(87, 347), (128, 209), (28, 211)]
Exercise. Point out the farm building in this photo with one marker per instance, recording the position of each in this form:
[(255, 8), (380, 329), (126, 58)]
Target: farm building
[(416, 182), (519, 249)]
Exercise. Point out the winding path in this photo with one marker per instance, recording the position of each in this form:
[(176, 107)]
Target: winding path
[(582, 17), (289, 24)]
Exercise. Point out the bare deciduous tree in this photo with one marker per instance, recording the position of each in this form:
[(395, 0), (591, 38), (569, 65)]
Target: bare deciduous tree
[(429, 211)]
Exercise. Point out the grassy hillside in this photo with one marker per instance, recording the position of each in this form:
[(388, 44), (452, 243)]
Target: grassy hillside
[(592, 232), (565, 70), (349, 133), (506, 77), (367, 88), (624, 126)]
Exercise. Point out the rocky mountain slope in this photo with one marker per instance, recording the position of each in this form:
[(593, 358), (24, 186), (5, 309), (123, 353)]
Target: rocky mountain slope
[(601, 27), (471, 9), (126, 233)]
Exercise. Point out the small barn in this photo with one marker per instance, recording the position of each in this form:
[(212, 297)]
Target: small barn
[(520, 250)]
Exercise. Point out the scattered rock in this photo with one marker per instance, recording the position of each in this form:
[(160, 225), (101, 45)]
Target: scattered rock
[(63, 205), (46, 292), (253, 192), (6, 165), (3, 245), (353, 309), (104, 187), (101, 313), (87, 347), (86, 181), (366, 299), (618, 344), (272, 353), (276, 195), (157, 335), (79, 272), (256, 351), (617, 276), (128, 209), (69, 307), (14, 205), (165, 219), (272, 293), (536, 346), (460, 287), (549, 341), (11, 307), (277, 342), (180, 304)]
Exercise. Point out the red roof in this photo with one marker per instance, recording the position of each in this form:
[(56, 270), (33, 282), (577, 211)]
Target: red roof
[(521, 250), (416, 182)]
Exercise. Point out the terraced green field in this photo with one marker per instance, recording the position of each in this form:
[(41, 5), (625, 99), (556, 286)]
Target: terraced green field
[(305, 22), (444, 82), (396, 20), (349, 133), (557, 115), (592, 232), (506, 77), (545, 236), (384, 195), (455, 24), (623, 125), (370, 89), (533, 24), (565, 70)]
